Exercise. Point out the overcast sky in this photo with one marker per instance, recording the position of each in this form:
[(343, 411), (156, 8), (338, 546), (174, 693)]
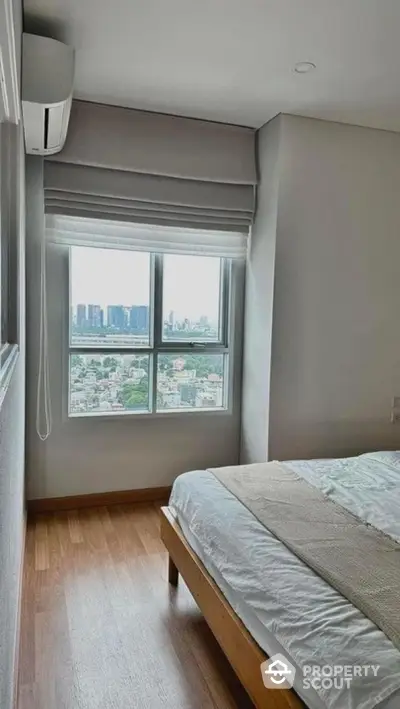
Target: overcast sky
[(107, 277)]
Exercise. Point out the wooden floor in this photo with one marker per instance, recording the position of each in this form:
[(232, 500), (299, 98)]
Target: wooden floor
[(102, 628)]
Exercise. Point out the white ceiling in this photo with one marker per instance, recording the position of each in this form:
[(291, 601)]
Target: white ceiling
[(232, 60)]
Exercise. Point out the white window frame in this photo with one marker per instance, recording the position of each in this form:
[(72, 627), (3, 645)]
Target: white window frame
[(9, 350), (10, 116), (231, 282), (9, 93)]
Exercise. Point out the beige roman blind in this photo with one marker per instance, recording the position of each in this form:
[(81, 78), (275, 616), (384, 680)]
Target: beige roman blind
[(125, 165)]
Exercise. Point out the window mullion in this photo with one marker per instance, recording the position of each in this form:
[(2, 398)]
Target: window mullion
[(76, 349), (224, 300), (157, 321), (185, 348), (158, 297)]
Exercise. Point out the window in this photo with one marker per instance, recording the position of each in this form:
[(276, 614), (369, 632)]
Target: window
[(5, 216), (110, 294), (148, 333), (8, 245), (197, 278)]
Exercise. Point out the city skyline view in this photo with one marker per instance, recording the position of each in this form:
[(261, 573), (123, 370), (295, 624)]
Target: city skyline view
[(111, 307), (131, 326), (94, 315), (108, 277)]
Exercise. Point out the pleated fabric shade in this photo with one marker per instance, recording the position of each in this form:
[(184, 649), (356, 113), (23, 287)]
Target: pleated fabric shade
[(108, 234), (131, 166)]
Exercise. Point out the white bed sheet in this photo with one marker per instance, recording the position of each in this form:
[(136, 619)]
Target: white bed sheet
[(286, 606)]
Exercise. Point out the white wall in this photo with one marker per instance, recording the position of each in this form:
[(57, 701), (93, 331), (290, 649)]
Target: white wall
[(259, 299), (336, 331), (336, 337), (12, 452), (88, 455)]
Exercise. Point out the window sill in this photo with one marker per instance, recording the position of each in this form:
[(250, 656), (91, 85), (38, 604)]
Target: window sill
[(143, 415), (8, 357)]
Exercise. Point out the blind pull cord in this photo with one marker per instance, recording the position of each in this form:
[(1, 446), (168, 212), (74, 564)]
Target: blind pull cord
[(43, 398)]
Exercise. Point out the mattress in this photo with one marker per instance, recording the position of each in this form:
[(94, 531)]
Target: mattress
[(286, 607)]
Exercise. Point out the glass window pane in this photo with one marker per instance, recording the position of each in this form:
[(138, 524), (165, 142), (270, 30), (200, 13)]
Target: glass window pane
[(5, 225), (110, 297), (108, 384), (191, 298), (190, 381)]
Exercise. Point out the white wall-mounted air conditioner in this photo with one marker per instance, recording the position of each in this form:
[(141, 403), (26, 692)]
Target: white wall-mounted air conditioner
[(47, 81)]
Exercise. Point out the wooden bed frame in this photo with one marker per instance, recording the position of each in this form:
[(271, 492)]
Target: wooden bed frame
[(242, 651)]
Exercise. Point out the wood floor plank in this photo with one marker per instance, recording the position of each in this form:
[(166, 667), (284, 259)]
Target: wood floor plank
[(27, 630), (101, 626), (75, 531), (41, 544)]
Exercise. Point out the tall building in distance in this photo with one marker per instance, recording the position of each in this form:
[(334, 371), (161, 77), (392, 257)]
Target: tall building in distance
[(81, 315), (109, 315), (94, 316), (139, 317), (121, 318), (116, 317), (143, 317)]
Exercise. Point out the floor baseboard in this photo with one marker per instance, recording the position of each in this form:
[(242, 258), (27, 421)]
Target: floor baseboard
[(99, 499)]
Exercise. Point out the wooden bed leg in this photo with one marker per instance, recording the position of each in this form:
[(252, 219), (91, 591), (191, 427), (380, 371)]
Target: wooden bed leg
[(173, 572)]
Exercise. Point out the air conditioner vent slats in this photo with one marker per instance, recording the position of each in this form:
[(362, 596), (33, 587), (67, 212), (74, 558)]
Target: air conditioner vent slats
[(46, 128)]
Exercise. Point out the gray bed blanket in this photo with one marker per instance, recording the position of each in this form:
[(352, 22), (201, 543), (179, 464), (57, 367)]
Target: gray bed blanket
[(357, 560)]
